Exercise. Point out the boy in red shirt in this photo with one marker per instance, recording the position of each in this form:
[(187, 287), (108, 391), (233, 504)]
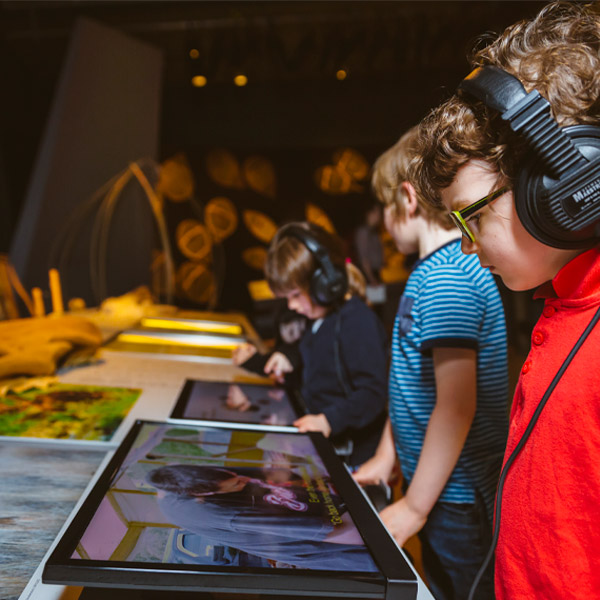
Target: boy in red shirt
[(471, 156)]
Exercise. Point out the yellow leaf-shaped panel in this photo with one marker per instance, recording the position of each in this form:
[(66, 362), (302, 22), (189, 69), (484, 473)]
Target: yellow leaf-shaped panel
[(176, 180), (221, 218), (223, 168), (193, 239), (260, 225), (334, 180), (196, 282), (255, 257), (353, 162), (317, 215), (260, 175)]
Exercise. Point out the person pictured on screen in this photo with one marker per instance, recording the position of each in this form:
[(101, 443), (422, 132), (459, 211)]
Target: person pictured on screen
[(303, 524), (448, 389), (344, 348), (238, 401), (500, 176)]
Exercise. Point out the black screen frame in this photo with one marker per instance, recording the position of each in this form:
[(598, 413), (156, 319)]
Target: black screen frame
[(395, 581), (178, 412)]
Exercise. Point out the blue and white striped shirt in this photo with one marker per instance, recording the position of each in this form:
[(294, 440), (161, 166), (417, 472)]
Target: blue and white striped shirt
[(450, 301)]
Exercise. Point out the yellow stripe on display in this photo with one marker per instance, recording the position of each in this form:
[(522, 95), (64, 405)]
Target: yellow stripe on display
[(204, 341), (192, 325)]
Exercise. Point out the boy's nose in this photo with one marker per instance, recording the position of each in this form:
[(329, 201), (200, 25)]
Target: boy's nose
[(467, 246)]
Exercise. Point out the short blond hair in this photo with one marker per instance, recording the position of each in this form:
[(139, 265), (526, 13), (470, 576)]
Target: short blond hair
[(391, 169)]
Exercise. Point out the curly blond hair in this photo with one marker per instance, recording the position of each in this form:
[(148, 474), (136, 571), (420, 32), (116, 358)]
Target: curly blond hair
[(557, 52)]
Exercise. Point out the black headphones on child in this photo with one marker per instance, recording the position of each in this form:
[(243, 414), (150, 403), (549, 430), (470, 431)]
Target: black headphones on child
[(328, 283), (557, 189)]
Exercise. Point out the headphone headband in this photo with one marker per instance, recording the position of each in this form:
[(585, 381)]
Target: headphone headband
[(329, 283), (557, 189), (527, 114)]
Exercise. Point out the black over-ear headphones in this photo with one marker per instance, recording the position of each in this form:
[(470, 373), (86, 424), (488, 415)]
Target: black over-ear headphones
[(557, 189), (329, 283)]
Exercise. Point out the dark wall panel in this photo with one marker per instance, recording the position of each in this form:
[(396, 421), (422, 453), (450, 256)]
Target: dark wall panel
[(105, 114)]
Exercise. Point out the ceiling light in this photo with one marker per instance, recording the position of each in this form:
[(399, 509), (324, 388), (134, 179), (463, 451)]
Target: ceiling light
[(199, 81)]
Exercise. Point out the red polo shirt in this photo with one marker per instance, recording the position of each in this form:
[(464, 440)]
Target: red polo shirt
[(549, 544)]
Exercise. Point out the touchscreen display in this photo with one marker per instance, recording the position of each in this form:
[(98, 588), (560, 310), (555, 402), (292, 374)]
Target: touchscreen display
[(223, 497), (235, 402)]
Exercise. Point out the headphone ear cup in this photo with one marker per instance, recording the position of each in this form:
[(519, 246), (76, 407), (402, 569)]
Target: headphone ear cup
[(327, 290), (550, 219)]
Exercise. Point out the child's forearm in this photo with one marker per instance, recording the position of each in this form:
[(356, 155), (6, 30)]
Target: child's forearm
[(444, 441), (386, 450), (379, 468), (448, 427)]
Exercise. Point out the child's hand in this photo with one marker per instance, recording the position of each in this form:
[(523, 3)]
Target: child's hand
[(373, 472), (402, 521), (277, 365), (242, 353), (314, 423)]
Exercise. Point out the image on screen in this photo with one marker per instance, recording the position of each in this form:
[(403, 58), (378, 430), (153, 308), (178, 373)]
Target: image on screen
[(208, 496), (235, 402)]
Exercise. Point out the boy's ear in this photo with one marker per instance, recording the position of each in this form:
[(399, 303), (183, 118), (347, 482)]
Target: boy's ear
[(410, 198)]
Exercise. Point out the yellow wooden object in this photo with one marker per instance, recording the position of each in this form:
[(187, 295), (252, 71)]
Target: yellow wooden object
[(260, 290), (33, 346), (8, 307), (75, 304), (56, 292), (39, 310)]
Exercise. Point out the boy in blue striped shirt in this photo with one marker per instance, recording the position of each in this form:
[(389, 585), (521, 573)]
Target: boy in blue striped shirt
[(448, 390)]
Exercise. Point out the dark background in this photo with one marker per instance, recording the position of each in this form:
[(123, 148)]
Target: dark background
[(401, 58)]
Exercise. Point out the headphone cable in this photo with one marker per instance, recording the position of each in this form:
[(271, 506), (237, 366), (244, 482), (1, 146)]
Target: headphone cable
[(521, 443)]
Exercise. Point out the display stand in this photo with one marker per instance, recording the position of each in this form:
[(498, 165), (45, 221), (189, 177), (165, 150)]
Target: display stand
[(161, 381)]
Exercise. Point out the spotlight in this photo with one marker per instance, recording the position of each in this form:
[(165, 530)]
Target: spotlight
[(199, 81)]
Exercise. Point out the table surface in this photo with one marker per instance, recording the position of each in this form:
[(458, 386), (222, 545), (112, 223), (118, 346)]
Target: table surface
[(43, 481), (40, 487)]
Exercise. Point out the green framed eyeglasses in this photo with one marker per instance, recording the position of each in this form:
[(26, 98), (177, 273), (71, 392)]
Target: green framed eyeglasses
[(459, 217)]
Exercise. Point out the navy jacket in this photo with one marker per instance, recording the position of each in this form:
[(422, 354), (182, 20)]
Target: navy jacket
[(351, 390)]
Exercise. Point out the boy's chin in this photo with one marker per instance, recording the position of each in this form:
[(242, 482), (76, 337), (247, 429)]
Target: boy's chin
[(516, 284)]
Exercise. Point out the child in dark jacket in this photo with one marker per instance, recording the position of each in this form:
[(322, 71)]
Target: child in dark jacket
[(343, 351)]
